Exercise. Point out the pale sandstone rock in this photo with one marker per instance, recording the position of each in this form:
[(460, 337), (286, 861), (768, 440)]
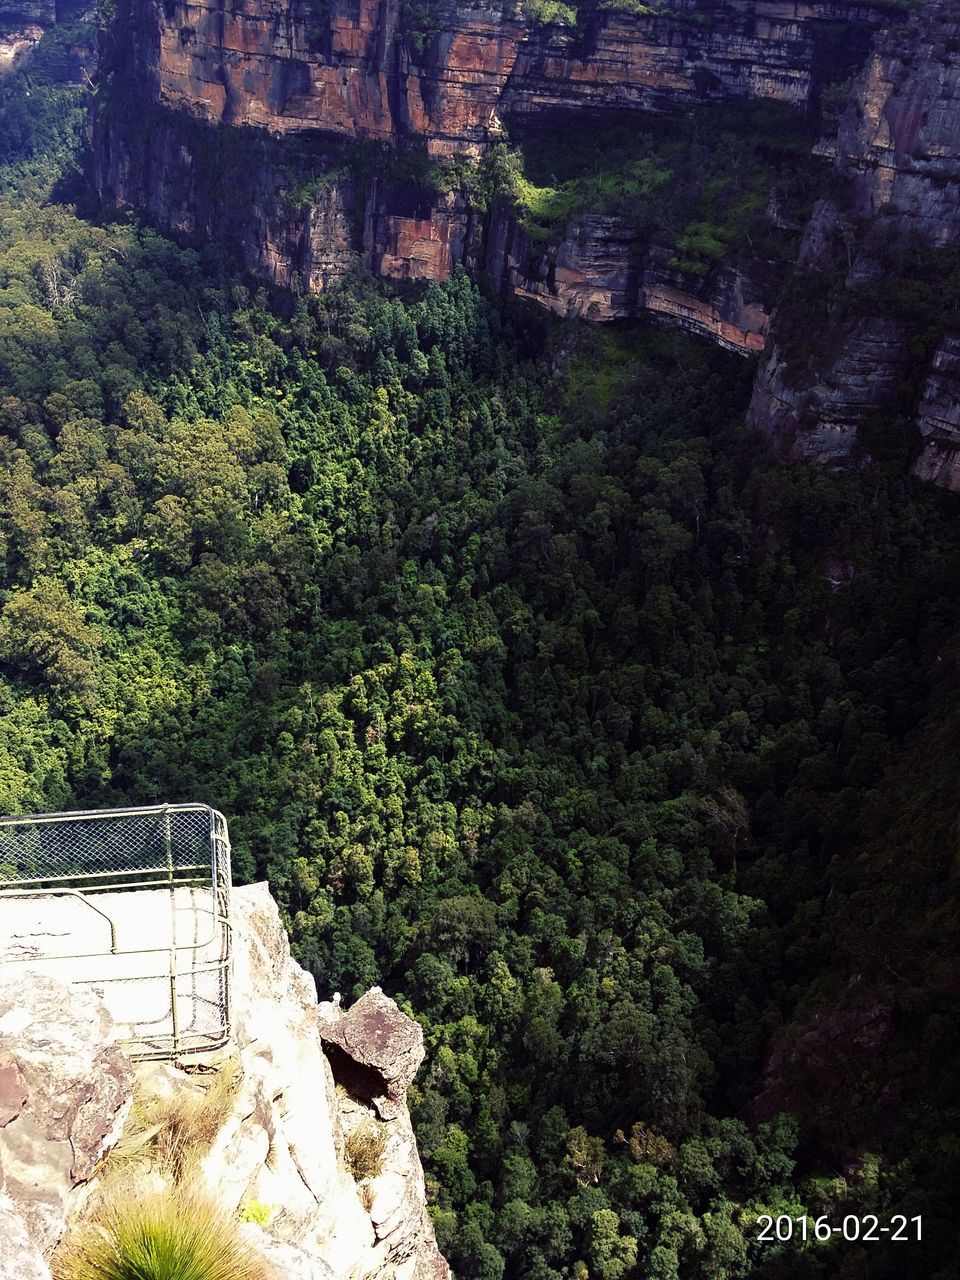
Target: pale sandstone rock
[(376, 1051), (289, 1261), (397, 1200), (283, 1141), (70, 1086), (65, 1088), (20, 1259)]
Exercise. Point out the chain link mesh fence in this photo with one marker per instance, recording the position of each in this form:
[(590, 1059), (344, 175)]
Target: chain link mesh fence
[(133, 902)]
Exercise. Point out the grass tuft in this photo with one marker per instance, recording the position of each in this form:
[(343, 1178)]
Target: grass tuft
[(365, 1147), (170, 1133), (169, 1235), (257, 1212)]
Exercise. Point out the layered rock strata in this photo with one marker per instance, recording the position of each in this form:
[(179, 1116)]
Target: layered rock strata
[(886, 341), (357, 68), (607, 269), (268, 70)]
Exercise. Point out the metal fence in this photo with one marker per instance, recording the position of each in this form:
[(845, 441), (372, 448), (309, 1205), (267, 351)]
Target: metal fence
[(132, 902)]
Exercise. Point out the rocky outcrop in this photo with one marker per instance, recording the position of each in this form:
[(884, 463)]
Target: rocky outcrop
[(22, 24), (280, 1135), (272, 80), (376, 1050), (871, 264), (69, 58), (605, 268), (938, 417), (20, 1259), (284, 1140)]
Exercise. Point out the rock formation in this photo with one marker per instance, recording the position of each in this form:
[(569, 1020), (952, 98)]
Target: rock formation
[(198, 101), (376, 1050), (66, 1089), (295, 135), (357, 68), (867, 338), (22, 24)]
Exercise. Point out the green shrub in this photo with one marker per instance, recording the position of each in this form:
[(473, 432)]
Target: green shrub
[(258, 1212), (172, 1235), (547, 11)]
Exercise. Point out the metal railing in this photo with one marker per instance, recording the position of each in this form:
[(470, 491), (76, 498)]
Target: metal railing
[(133, 902)]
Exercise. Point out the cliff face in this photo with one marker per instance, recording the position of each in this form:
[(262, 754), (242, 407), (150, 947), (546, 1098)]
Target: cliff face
[(607, 269), (280, 1137), (355, 68), (270, 77), (873, 267)]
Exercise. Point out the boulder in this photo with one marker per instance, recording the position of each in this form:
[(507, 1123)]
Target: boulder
[(374, 1049)]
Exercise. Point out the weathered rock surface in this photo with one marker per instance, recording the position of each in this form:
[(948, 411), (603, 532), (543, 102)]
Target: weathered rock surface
[(66, 1088), (938, 417), (22, 25), (355, 68), (395, 1196), (16, 42), (282, 1144), (376, 1050), (20, 1259), (898, 168)]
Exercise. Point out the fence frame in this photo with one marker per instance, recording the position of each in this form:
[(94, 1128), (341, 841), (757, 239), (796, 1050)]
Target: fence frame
[(162, 874)]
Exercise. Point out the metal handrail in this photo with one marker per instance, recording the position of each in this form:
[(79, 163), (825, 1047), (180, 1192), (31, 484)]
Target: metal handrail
[(52, 881)]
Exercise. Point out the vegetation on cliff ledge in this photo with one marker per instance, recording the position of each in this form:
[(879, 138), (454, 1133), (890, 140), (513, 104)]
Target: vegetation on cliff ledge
[(734, 180), (542, 698)]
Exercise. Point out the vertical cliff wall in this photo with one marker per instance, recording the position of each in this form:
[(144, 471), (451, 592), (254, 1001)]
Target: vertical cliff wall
[(366, 69), (867, 340), (262, 124)]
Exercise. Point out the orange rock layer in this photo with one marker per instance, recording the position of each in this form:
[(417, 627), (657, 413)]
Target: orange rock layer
[(357, 72)]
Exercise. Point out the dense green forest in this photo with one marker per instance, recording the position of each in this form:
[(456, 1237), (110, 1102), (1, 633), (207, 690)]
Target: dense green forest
[(614, 749)]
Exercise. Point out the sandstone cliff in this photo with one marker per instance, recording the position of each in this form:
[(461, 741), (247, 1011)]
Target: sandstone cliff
[(206, 113), (281, 1141), (358, 68), (870, 337)]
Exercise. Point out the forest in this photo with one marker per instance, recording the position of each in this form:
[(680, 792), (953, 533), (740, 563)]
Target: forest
[(621, 753)]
